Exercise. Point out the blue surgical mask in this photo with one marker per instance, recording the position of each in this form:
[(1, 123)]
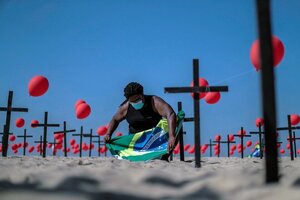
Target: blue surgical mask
[(138, 105)]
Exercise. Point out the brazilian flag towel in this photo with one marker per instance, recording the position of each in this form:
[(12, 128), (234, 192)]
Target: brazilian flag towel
[(145, 145)]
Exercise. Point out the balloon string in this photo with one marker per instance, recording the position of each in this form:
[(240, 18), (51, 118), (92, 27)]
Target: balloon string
[(235, 76)]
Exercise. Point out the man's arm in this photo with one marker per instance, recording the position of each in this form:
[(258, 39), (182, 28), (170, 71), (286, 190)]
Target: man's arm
[(166, 111), (116, 119)]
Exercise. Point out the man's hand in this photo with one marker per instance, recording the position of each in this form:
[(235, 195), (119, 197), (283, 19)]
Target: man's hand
[(106, 138), (171, 143)]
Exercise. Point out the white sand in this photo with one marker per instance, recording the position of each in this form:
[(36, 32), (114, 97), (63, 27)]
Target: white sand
[(108, 178)]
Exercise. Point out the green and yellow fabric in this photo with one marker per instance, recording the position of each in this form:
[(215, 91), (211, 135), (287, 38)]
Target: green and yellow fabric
[(145, 145)]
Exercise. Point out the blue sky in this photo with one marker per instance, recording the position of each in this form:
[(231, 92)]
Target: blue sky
[(91, 49)]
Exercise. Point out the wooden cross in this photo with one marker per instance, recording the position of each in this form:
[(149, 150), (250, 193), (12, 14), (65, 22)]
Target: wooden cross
[(8, 109), (45, 125), (228, 142), (196, 89), (80, 141), (268, 89), (65, 131), (259, 133), (289, 128), (41, 143), (91, 136), (24, 136), (242, 141)]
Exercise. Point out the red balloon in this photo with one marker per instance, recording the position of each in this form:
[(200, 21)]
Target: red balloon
[(217, 152), (20, 122), (192, 150), (25, 144), (240, 133), (49, 145), (92, 146), (233, 147), (72, 142), (38, 86), (83, 110), (186, 147), (14, 147), (203, 148), (177, 147), (101, 131), (218, 137), (75, 151), (175, 151), (216, 146), (248, 143), (57, 136), (119, 134), (278, 52), (288, 146), (58, 146), (278, 145), (31, 149), (12, 138), (202, 82), (298, 151), (78, 102), (231, 138), (33, 123), (259, 121), (59, 141), (231, 152), (282, 151), (295, 119), (76, 146), (212, 97)]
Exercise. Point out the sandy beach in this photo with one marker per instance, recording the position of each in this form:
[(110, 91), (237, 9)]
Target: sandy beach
[(108, 178)]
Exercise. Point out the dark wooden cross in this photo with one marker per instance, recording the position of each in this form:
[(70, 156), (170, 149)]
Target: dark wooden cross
[(65, 131), (24, 136), (8, 109), (91, 136), (268, 89), (80, 140), (45, 125), (41, 143), (196, 89), (242, 141), (260, 134), (289, 128), (228, 142)]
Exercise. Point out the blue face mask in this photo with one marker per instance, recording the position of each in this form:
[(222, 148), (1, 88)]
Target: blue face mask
[(138, 105)]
